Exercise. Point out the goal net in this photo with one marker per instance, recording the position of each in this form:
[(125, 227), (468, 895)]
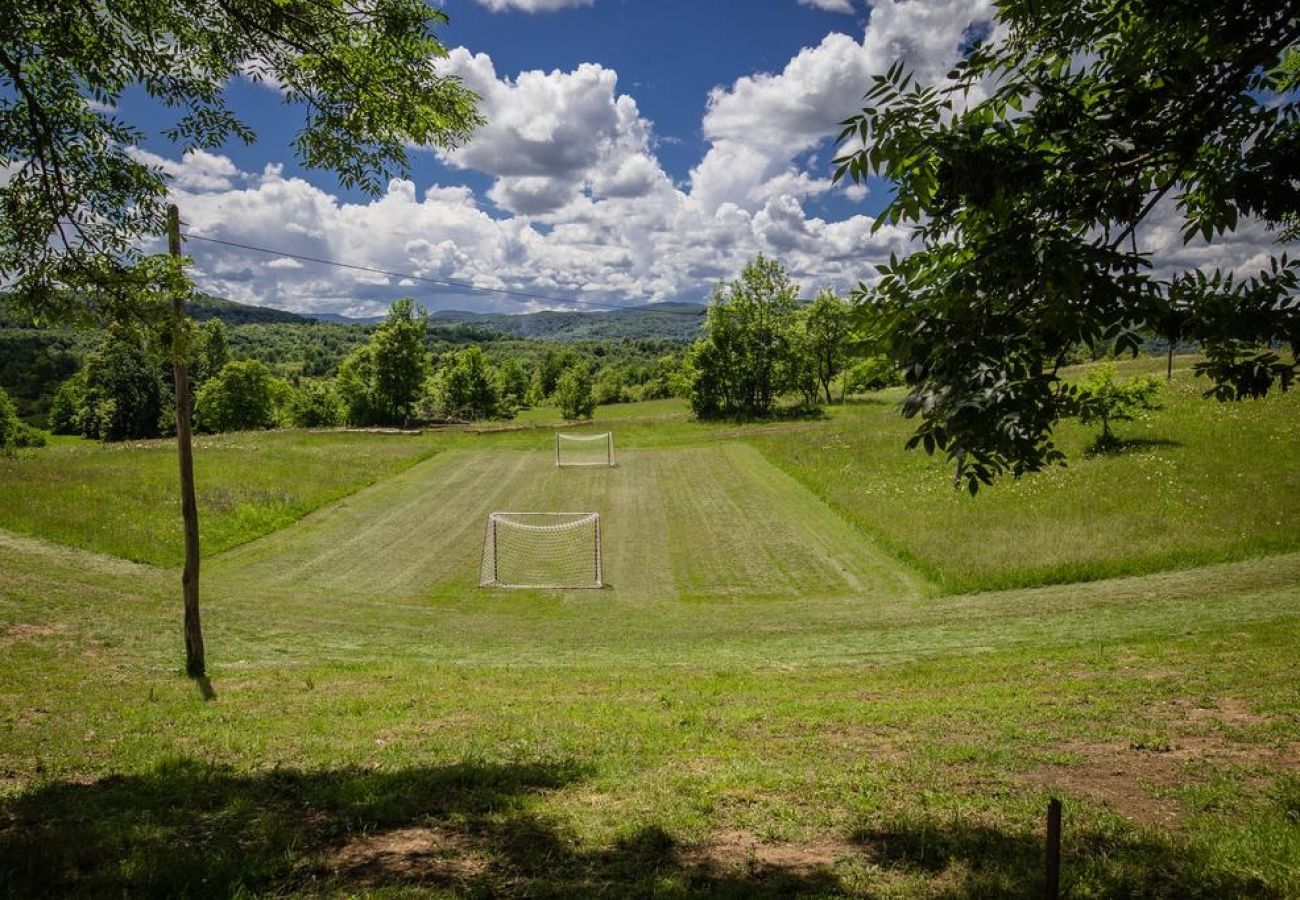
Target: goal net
[(584, 449), (541, 550)]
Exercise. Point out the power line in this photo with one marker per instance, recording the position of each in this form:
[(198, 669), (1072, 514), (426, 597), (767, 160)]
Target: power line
[(443, 282)]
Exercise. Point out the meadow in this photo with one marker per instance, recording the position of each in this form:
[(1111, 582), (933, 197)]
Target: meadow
[(816, 668)]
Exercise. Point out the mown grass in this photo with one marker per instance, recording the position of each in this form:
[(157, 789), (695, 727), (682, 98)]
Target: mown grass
[(122, 499), (1198, 482)]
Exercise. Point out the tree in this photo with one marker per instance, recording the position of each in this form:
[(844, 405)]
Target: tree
[(749, 356), (356, 387), (401, 362), (573, 392), (77, 201), (381, 381), (124, 396), (1029, 207), (827, 323), (238, 398), (1102, 399), (512, 384), (212, 350), (466, 386)]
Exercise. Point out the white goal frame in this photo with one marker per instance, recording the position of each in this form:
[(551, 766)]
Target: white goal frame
[(542, 523), (606, 436)]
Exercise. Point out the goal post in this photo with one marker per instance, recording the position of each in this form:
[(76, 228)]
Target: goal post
[(542, 550), (584, 449)]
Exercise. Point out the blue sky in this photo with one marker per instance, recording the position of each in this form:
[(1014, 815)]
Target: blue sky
[(635, 152)]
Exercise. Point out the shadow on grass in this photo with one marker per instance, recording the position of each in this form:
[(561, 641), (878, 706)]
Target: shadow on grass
[(194, 829), (1116, 446), (969, 859)]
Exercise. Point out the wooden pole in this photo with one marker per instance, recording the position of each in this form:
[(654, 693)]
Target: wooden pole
[(1052, 890), (195, 666)]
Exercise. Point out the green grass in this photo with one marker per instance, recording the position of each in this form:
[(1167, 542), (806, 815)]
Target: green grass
[(1199, 482), (122, 499), (767, 700)]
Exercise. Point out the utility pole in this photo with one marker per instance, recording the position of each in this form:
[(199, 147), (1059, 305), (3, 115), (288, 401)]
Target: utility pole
[(194, 663)]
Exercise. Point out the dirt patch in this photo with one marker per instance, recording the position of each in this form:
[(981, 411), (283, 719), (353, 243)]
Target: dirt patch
[(1135, 779), (738, 849), (29, 632), (413, 855)]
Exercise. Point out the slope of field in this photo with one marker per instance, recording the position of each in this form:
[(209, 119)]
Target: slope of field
[(123, 499), (1197, 482)]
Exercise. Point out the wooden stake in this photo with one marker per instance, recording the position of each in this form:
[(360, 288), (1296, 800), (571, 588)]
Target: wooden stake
[(195, 666), (1053, 887)]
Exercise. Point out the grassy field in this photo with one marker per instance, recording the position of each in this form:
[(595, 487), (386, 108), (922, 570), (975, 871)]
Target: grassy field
[(780, 692)]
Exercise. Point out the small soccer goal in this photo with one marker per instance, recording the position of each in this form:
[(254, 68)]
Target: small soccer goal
[(584, 449), (541, 550)]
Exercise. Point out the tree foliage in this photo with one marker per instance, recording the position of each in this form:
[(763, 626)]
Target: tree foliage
[(238, 398), (466, 387), (124, 395), (574, 392), (381, 381), (750, 355), (77, 200), (1103, 400), (827, 327), (1028, 205)]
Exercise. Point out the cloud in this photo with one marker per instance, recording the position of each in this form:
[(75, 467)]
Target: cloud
[(553, 135), (532, 6), (197, 170), (579, 205), (760, 125), (838, 6)]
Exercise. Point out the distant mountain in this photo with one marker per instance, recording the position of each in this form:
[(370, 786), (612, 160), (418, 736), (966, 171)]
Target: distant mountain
[(204, 307), (679, 322), (336, 319)]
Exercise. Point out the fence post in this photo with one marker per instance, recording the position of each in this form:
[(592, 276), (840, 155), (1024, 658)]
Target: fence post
[(1052, 889)]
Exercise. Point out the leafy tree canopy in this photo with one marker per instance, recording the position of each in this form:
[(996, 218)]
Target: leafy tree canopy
[(574, 394), (1028, 177), (237, 398), (76, 200)]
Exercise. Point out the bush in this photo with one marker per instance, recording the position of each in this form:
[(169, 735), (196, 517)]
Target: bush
[(313, 404), (240, 397), (14, 432), (875, 373)]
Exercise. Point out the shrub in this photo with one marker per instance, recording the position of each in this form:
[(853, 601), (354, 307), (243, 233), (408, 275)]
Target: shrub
[(238, 398), (313, 404), (1102, 399), (14, 432), (875, 373)]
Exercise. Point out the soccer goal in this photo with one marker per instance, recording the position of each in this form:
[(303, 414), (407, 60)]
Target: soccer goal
[(584, 449), (541, 550)]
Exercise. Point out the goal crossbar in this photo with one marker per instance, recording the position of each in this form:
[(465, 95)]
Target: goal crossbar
[(584, 449)]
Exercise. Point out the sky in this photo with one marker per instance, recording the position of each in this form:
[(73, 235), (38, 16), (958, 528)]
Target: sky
[(635, 151)]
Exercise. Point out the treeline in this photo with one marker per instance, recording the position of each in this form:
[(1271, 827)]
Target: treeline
[(763, 349), (401, 372)]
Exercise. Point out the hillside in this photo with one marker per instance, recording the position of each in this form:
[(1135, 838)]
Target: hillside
[(677, 322)]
